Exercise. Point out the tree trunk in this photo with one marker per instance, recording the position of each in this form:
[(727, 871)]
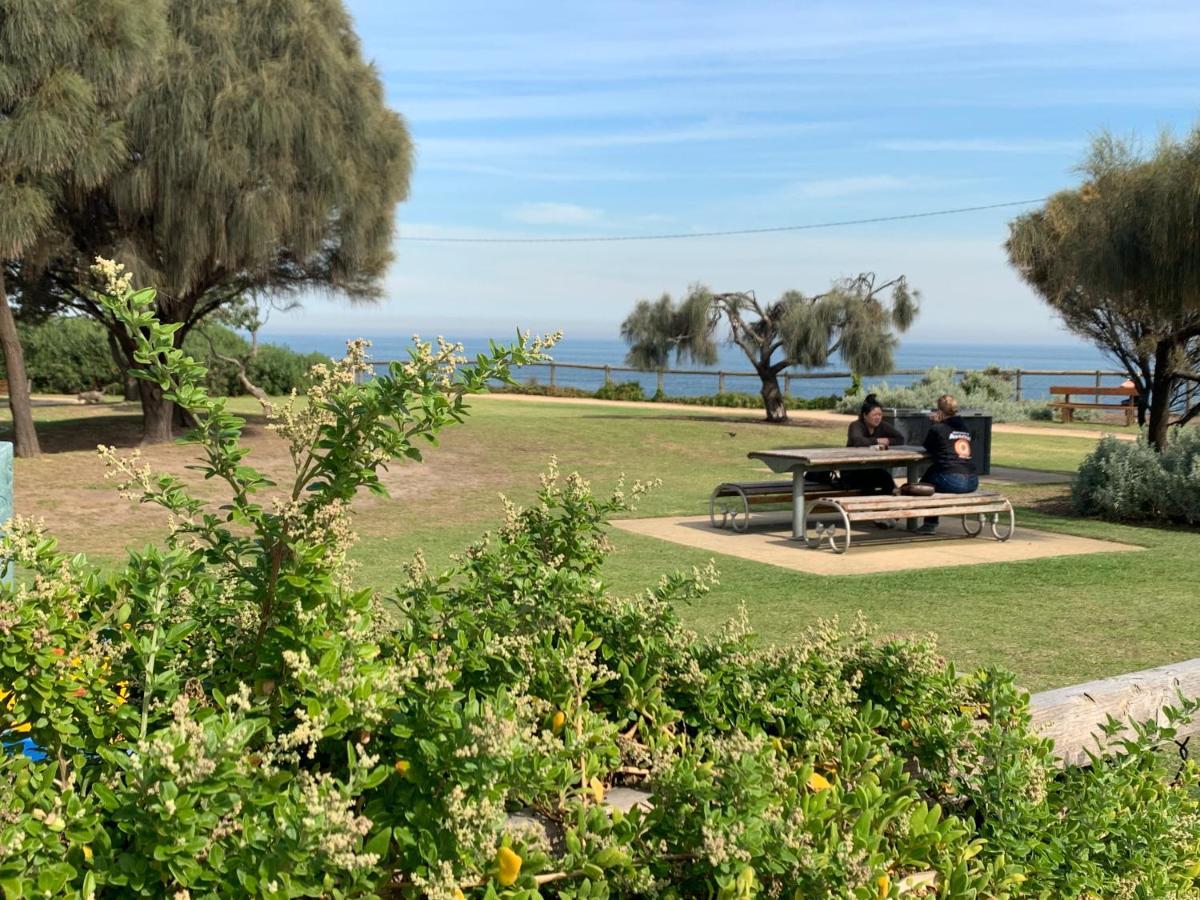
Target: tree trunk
[(772, 396), (25, 441), (158, 413), (129, 382), (1159, 412)]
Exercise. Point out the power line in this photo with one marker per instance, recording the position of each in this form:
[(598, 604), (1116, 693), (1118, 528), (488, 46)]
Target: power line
[(706, 234)]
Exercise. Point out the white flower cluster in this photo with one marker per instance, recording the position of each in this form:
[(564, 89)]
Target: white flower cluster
[(116, 280)]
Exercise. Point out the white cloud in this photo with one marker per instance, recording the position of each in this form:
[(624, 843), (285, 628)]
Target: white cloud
[(554, 214), (983, 145), (828, 188)]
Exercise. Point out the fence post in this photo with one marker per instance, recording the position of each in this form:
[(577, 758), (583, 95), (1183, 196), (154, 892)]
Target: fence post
[(1018, 385), (551, 374), (720, 382), (1097, 385), (660, 390), (787, 385), (607, 375)]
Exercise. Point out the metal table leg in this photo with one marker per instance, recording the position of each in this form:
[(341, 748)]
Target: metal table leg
[(799, 510)]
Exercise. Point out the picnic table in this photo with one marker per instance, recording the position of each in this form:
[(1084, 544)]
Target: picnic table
[(828, 459)]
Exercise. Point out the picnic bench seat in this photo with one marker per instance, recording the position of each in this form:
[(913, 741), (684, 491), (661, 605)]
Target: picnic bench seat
[(1067, 406), (973, 508), (731, 500)]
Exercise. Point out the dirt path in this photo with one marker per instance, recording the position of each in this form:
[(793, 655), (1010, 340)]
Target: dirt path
[(796, 417)]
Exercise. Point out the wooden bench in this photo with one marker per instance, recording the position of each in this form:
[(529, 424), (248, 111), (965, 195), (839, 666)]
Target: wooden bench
[(1067, 406), (732, 500), (973, 508)]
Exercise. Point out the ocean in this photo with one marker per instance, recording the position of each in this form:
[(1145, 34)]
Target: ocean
[(909, 355)]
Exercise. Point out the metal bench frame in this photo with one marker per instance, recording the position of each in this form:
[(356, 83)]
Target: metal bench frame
[(732, 499), (976, 510)]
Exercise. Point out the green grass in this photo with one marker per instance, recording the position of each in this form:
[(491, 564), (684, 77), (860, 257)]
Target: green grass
[(1053, 621)]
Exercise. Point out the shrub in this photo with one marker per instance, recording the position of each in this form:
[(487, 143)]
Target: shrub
[(625, 390), (227, 715), (988, 390), (1130, 480), (68, 354)]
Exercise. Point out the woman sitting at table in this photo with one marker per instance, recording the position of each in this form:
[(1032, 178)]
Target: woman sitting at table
[(869, 430), (949, 443)]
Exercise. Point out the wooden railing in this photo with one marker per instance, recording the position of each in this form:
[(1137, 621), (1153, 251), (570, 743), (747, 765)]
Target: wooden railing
[(722, 376)]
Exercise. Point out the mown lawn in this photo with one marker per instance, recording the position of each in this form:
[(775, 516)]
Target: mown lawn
[(1053, 621)]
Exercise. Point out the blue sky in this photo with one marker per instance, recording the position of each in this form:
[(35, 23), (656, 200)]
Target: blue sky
[(649, 117)]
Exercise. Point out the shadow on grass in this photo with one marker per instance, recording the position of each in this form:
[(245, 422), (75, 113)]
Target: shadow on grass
[(86, 432)]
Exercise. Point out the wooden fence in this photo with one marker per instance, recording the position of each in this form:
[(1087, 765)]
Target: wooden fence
[(722, 377)]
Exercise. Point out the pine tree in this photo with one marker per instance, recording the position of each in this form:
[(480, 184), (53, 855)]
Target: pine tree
[(66, 68), (265, 162)]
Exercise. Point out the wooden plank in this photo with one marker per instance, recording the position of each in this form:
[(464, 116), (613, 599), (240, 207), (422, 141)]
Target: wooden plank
[(866, 515), (872, 502), (1072, 715), (1115, 407), (1095, 391), (842, 456)]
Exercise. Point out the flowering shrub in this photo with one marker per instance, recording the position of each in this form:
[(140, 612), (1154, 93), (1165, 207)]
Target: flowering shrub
[(229, 715)]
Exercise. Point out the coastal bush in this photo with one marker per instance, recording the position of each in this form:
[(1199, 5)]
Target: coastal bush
[(987, 389), (624, 390), (67, 354), (230, 715), (1131, 481)]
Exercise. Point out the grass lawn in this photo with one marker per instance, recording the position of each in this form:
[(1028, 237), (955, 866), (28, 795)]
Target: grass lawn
[(1053, 621)]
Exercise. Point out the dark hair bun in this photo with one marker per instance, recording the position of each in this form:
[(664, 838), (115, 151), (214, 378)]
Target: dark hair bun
[(870, 398)]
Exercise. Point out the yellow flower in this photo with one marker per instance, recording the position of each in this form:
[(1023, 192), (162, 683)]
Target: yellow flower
[(885, 886), (402, 766), (597, 789), (558, 721), (818, 782), (459, 895), (508, 866), (87, 853)]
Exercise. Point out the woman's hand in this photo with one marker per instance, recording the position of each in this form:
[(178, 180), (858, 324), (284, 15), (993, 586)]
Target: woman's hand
[(884, 443)]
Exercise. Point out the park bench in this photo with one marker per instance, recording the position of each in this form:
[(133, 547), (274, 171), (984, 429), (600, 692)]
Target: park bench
[(1067, 406), (732, 500), (975, 510)]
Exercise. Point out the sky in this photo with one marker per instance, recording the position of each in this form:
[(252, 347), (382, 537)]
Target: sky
[(612, 118)]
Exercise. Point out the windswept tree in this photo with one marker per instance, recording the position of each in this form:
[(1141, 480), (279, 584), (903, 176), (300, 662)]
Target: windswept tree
[(67, 67), (852, 320), (1118, 258), (264, 162)]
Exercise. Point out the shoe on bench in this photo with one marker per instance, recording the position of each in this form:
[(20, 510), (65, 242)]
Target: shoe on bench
[(927, 528), (885, 523)]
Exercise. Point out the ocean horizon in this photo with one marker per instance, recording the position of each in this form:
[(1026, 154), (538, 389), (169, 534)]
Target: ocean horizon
[(920, 355)]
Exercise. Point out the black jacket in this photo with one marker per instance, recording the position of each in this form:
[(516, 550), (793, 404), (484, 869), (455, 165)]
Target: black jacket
[(857, 434), (949, 443)]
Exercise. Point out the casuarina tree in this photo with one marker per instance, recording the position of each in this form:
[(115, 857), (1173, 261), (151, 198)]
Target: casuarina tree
[(1118, 258), (856, 319), (66, 69), (264, 162)]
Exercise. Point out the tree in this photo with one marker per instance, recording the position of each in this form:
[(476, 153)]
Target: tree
[(265, 161), (67, 66), (1118, 258), (850, 320)]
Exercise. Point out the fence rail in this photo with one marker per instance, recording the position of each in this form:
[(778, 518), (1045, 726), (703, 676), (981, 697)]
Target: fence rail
[(554, 368)]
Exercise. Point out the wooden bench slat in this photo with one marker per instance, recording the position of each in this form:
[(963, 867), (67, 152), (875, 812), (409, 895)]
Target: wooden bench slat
[(903, 500), (1118, 407), (866, 515), (1095, 391)]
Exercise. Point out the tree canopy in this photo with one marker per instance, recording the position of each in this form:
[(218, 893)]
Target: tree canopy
[(850, 320), (263, 159), (1117, 259), (66, 69)]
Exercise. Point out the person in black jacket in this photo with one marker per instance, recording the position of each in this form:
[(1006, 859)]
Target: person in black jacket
[(869, 430), (949, 443)]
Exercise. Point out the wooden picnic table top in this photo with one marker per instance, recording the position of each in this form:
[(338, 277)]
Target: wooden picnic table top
[(839, 457), (1097, 391)]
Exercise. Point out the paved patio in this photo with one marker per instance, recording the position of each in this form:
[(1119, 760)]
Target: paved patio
[(873, 550)]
